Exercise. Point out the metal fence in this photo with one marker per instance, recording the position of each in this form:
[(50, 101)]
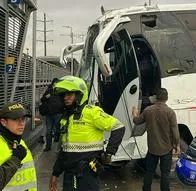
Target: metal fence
[(45, 72), (2, 53), (16, 68), (13, 26)]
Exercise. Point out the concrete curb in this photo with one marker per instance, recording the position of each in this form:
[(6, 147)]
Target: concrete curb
[(33, 137)]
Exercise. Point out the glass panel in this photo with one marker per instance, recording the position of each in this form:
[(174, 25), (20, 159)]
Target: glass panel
[(87, 61), (120, 53), (173, 44)]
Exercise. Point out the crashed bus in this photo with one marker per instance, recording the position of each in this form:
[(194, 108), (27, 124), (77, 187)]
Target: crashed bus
[(128, 54)]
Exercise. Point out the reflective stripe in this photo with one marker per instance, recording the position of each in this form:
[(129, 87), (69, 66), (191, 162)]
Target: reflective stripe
[(26, 165), (22, 178), (82, 147), (117, 125), (29, 186)]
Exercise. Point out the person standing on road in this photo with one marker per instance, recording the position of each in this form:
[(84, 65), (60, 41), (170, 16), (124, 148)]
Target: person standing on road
[(162, 138), (17, 171), (82, 138), (51, 121)]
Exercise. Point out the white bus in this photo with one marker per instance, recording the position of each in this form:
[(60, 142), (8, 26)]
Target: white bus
[(129, 53)]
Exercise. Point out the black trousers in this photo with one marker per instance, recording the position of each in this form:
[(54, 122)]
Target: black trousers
[(80, 178), (165, 167), (51, 128)]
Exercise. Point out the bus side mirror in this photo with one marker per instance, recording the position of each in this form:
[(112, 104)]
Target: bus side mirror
[(100, 41), (67, 50)]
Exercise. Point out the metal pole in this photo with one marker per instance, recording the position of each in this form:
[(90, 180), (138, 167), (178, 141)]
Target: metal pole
[(19, 62), (72, 64), (6, 54), (34, 65), (44, 34), (71, 36), (149, 2)]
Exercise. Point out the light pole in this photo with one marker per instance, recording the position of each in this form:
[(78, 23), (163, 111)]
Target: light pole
[(45, 31), (71, 36), (34, 64)]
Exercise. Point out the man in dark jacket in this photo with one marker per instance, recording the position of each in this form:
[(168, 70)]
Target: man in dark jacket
[(51, 121), (82, 138), (162, 138)]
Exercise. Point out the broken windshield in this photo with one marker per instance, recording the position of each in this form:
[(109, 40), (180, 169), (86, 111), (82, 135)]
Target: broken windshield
[(173, 44), (87, 61)]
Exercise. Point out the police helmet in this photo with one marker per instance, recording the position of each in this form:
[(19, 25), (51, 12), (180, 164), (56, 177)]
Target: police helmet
[(186, 170), (73, 84)]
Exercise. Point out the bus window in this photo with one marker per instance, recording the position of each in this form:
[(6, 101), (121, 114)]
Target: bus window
[(173, 44)]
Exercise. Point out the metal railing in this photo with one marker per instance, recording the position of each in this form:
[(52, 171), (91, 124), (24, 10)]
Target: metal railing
[(16, 77)]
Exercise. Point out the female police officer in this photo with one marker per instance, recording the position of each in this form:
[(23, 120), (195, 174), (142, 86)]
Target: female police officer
[(82, 138), (17, 172)]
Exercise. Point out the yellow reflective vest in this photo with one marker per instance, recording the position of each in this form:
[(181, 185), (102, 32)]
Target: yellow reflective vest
[(25, 176), (87, 133)]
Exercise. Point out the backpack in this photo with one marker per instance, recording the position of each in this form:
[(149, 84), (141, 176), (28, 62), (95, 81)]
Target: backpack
[(51, 103)]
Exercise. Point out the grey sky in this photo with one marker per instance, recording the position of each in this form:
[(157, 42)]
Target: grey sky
[(78, 14)]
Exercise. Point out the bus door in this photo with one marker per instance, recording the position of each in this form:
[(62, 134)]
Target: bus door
[(120, 91)]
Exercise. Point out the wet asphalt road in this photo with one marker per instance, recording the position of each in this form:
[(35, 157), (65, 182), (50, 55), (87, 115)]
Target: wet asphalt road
[(126, 178)]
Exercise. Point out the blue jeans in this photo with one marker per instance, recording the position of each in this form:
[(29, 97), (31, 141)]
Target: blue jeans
[(51, 125), (165, 167)]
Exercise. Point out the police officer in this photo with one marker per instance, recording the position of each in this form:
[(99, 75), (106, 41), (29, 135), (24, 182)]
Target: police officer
[(17, 171), (82, 138)]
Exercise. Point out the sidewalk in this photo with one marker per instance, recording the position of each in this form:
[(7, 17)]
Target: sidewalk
[(44, 162)]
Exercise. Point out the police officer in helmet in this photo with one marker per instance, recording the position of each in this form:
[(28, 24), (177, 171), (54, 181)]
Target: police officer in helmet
[(82, 138)]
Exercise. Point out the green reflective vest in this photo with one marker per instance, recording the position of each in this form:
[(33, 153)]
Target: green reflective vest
[(25, 176), (87, 133)]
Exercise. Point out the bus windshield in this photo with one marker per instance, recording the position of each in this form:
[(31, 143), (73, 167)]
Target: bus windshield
[(173, 45), (88, 60)]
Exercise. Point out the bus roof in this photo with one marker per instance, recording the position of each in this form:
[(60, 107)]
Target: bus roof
[(140, 9)]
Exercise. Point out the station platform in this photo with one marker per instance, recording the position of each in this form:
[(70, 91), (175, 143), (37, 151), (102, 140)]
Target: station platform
[(119, 179)]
